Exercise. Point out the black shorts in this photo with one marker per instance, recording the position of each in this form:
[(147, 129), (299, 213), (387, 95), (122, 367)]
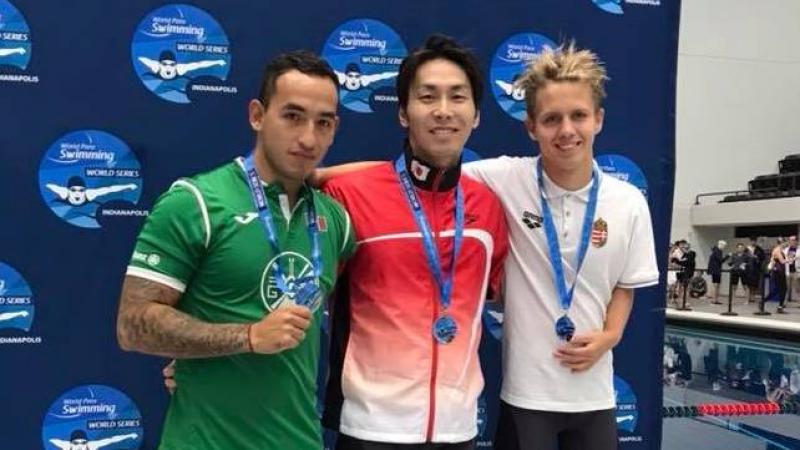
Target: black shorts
[(525, 429), (345, 442), (716, 278)]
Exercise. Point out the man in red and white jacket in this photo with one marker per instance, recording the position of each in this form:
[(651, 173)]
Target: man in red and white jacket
[(394, 383)]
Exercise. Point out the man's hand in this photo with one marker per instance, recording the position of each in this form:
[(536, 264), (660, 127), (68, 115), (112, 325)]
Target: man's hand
[(280, 330), (583, 351), (169, 377)]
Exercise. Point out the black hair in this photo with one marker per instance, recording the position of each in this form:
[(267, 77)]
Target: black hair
[(303, 61), (438, 46), (75, 181), (166, 55), (77, 434)]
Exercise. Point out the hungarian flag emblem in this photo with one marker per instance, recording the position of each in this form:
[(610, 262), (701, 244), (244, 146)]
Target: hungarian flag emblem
[(599, 232), (322, 224)]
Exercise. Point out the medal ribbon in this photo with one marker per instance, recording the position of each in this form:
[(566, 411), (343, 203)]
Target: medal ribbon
[(264, 214), (554, 249), (445, 285)]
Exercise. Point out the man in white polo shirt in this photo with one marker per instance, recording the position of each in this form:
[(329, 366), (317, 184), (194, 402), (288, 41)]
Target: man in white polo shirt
[(581, 242)]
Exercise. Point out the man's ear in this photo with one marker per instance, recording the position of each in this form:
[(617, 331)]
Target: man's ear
[(255, 114), (601, 114), (403, 117), (530, 127)]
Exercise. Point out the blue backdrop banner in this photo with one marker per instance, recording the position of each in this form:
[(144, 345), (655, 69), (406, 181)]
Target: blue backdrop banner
[(104, 104)]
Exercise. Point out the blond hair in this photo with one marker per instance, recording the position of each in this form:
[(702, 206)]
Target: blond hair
[(565, 63)]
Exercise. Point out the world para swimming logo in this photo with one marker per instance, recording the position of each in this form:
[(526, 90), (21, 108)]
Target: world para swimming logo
[(180, 52), (615, 6), (88, 176), (627, 413), (609, 6), (93, 417), (623, 168), (16, 300), (366, 56), (16, 45), (15, 38), (508, 64)]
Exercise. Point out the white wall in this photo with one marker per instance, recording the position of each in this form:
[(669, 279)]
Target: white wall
[(738, 101)]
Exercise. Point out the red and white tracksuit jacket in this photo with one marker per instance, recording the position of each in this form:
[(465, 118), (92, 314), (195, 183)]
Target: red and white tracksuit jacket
[(397, 383)]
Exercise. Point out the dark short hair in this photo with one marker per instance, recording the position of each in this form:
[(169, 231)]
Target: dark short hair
[(303, 61), (166, 55), (77, 434), (76, 181), (438, 46)]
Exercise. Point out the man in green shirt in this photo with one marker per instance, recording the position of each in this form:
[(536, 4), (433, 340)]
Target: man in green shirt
[(228, 274)]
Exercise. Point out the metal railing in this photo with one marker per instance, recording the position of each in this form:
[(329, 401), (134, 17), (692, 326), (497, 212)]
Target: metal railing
[(731, 288), (714, 194)]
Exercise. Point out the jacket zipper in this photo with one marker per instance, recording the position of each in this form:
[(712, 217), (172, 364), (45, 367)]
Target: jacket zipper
[(435, 346)]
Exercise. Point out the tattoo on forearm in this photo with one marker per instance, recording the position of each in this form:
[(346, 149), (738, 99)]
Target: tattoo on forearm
[(149, 323)]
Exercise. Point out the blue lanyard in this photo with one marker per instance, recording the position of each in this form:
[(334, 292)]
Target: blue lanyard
[(445, 285), (564, 295), (260, 202)]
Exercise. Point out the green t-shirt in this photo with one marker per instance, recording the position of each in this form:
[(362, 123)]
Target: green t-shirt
[(204, 238)]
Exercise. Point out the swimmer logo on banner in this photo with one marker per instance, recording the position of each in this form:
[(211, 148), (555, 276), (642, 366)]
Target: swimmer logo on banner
[(179, 52)]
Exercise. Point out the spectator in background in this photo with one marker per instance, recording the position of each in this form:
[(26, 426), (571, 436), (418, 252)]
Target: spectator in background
[(790, 253), (715, 269), (676, 253), (688, 265), (760, 266), (777, 266), (738, 264), (752, 277), (759, 253)]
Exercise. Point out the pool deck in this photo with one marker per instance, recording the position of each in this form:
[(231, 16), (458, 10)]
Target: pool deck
[(703, 311)]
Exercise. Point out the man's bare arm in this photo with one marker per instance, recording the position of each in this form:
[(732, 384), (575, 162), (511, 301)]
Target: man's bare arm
[(322, 174), (149, 323)]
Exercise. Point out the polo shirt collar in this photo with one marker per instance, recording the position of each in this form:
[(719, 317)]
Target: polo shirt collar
[(274, 189), (555, 192)]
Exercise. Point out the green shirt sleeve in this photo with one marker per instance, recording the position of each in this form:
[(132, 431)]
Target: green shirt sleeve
[(173, 239), (349, 238)]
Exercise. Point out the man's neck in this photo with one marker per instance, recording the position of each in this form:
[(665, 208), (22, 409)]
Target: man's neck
[(425, 175), (441, 162), (290, 187), (569, 179)]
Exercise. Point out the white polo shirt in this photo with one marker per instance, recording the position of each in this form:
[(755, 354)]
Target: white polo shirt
[(624, 256)]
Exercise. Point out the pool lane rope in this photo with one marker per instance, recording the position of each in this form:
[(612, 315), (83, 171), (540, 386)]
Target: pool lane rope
[(731, 409)]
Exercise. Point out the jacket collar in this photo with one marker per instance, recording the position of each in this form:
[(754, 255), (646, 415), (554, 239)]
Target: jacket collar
[(427, 177)]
